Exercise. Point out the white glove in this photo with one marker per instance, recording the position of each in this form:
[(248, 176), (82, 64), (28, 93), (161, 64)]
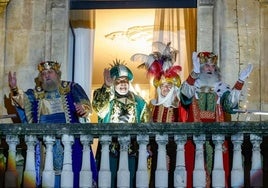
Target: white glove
[(196, 62), (245, 72)]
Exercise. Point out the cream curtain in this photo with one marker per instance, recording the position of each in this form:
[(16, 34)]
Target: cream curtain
[(83, 23), (178, 26)]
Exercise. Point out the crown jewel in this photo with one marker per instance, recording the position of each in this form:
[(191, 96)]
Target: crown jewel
[(207, 57), (46, 65)]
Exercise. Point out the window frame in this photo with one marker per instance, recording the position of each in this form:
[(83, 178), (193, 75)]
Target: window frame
[(119, 4)]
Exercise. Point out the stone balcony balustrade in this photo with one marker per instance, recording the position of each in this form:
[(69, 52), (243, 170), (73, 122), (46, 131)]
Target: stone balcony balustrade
[(247, 159)]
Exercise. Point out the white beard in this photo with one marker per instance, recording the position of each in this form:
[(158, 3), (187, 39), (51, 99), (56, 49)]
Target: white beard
[(166, 101), (208, 80), (51, 86)]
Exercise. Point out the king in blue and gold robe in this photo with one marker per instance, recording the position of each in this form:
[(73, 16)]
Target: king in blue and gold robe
[(39, 106)]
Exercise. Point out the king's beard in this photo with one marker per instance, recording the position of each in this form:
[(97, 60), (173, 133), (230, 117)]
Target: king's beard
[(208, 80), (50, 85)]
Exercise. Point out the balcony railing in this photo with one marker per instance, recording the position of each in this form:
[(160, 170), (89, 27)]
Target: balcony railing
[(247, 158)]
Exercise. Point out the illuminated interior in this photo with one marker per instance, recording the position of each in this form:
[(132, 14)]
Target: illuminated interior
[(121, 33)]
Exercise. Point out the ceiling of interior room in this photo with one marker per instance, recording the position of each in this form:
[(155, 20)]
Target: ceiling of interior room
[(117, 46)]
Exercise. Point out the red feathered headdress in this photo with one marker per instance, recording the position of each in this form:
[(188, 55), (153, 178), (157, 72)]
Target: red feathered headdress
[(160, 64)]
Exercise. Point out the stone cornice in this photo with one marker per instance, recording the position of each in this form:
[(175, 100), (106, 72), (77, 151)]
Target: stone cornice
[(3, 5)]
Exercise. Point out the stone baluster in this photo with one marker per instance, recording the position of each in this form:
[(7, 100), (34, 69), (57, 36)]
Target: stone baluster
[(86, 173), (180, 171), (256, 172), (48, 175), (29, 178), (142, 176), (104, 180), (161, 173), (199, 174), (218, 174), (237, 173), (20, 165), (123, 174), (67, 175), (11, 175)]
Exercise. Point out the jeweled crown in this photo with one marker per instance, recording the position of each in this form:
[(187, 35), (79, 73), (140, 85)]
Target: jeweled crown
[(207, 57), (46, 65)]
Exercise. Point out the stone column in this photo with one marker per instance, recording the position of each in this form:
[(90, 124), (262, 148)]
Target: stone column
[(3, 5), (161, 173), (20, 162), (142, 176), (57, 33), (48, 175), (123, 174), (218, 174), (86, 173), (67, 175), (237, 173), (104, 180), (180, 176), (199, 174), (217, 26), (29, 178), (11, 175), (205, 25), (256, 172)]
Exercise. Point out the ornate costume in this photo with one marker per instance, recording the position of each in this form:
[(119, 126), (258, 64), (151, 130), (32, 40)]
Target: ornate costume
[(166, 107), (113, 107), (57, 106), (209, 101), (210, 105)]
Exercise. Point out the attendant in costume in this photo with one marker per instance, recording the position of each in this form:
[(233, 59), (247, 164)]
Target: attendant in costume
[(114, 102), (54, 101), (166, 107), (210, 100)]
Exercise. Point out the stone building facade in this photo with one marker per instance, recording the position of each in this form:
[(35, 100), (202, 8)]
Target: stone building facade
[(35, 30)]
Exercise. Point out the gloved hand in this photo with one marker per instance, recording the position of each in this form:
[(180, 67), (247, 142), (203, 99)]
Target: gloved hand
[(245, 72), (196, 62)]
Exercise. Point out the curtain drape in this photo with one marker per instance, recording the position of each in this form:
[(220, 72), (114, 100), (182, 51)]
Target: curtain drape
[(178, 26), (83, 23), (84, 58)]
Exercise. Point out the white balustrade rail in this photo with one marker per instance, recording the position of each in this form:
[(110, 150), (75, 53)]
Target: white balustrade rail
[(33, 134)]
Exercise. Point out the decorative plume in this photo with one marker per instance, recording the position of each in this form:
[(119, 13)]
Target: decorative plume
[(160, 60)]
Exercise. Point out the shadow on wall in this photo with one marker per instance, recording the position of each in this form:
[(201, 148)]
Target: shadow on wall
[(11, 110)]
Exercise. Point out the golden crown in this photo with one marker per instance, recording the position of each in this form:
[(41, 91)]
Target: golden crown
[(207, 57), (46, 65), (176, 80)]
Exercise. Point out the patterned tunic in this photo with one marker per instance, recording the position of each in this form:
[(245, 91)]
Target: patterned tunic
[(209, 104), (113, 108), (39, 106)]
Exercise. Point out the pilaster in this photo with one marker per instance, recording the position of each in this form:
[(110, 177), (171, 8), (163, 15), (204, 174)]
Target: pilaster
[(205, 25), (3, 5)]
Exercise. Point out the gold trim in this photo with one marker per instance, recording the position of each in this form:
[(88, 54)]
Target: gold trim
[(3, 5)]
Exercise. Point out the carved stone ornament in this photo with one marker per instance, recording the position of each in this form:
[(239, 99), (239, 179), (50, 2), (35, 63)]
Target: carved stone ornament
[(3, 5)]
